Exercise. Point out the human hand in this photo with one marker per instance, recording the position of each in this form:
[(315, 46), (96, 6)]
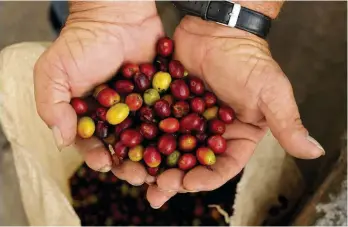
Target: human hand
[(239, 69), (97, 38)]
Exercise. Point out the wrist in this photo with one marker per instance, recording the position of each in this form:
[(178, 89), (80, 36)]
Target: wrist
[(268, 8), (201, 27), (127, 12)]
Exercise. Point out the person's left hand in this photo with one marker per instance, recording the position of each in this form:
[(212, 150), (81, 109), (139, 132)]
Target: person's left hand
[(239, 69)]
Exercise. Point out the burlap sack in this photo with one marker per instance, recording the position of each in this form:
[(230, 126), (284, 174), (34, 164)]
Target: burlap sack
[(43, 171)]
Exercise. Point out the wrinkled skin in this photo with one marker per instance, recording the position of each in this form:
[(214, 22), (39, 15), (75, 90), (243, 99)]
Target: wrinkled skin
[(235, 65)]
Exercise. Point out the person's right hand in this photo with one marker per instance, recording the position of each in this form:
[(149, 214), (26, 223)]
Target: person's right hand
[(98, 37)]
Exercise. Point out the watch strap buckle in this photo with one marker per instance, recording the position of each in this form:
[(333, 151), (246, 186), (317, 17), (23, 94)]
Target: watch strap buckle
[(234, 15)]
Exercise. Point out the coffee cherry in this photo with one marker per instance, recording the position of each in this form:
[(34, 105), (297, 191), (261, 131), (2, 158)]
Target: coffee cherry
[(127, 123), (162, 108), (201, 137), (148, 69), (146, 114), (98, 89), (165, 47), (129, 70), (180, 109), (102, 129), (189, 123), (94, 117), (202, 126), (117, 113), (173, 158), (148, 130), (187, 161), (161, 64), (121, 150), (196, 85), (134, 101), (211, 113), (217, 143), (85, 127), (123, 86), (179, 89), (169, 125), (166, 144), (108, 97), (216, 126), (176, 69), (197, 105), (151, 96), (142, 82), (187, 142), (136, 153), (169, 99), (210, 99), (205, 156), (161, 81), (152, 171), (131, 137), (226, 114), (152, 157), (101, 113), (79, 105)]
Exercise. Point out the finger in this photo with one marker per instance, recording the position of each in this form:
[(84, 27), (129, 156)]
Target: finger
[(278, 104), (171, 180), (226, 167), (150, 179), (96, 156), (52, 100), (132, 172), (239, 130), (157, 197)]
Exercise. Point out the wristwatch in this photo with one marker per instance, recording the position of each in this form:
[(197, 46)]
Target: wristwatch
[(229, 14)]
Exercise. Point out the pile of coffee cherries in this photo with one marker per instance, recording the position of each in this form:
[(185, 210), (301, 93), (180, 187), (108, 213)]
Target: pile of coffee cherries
[(157, 114)]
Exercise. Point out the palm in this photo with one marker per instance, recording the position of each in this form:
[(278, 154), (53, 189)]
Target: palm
[(234, 69)]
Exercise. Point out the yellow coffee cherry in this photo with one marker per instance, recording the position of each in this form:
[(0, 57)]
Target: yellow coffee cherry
[(210, 113), (85, 127), (185, 73), (151, 96), (161, 81), (136, 153), (117, 113)]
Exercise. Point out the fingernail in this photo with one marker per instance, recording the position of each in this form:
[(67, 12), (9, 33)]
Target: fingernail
[(193, 191), (155, 207), (316, 143), (57, 137), (105, 169), (137, 184)]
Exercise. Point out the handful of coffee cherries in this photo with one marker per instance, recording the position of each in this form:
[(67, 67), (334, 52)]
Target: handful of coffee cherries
[(157, 114)]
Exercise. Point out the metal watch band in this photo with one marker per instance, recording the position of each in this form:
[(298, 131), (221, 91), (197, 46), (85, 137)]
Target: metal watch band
[(229, 14)]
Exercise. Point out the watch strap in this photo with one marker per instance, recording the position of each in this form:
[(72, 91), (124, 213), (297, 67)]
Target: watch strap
[(228, 14)]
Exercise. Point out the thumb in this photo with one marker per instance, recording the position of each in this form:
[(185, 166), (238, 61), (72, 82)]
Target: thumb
[(278, 104), (52, 96)]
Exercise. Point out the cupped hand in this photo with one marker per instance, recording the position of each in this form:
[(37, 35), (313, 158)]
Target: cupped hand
[(98, 37), (240, 70)]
